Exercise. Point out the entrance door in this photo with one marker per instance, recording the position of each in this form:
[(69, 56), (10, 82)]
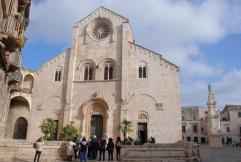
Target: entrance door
[(142, 132), (97, 125), (20, 128)]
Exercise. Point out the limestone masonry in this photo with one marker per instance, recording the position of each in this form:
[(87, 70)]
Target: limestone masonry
[(103, 78)]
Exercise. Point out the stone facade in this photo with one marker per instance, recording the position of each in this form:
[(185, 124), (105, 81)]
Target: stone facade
[(103, 78), (14, 16), (194, 124), (231, 124)]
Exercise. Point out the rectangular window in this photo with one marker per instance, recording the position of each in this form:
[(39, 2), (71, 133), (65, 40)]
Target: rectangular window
[(228, 129), (140, 72), (183, 129), (86, 74), (90, 73), (56, 76), (194, 117), (110, 72), (195, 139), (239, 114), (194, 128), (183, 118), (59, 78), (106, 73), (144, 72), (202, 129), (189, 139)]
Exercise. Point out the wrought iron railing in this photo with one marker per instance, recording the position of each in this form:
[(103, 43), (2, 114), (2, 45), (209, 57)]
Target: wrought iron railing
[(18, 88), (14, 77), (14, 58)]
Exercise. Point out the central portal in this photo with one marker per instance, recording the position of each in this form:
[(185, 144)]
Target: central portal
[(97, 126), (95, 118)]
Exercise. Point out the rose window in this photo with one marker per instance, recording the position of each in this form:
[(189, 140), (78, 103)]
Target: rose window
[(101, 31)]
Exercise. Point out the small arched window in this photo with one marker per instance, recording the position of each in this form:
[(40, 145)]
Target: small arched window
[(142, 70), (108, 71), (88, 72), (58, 74)]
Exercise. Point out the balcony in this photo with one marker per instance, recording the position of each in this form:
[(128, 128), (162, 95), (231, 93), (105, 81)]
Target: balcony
[(12, 36), (14, 77), (14, 60), (17, 88)]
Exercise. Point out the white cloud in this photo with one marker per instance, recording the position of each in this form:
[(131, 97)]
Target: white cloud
[(227, 90), (174, 28)]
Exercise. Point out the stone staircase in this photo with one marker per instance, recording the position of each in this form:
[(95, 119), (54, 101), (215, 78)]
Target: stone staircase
[(182, 152), (22, 149)]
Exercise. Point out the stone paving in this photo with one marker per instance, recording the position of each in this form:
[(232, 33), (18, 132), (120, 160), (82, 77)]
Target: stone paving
[(225, 154)]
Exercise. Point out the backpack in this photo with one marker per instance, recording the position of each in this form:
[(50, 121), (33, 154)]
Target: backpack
[(35, 145), (118, 144)]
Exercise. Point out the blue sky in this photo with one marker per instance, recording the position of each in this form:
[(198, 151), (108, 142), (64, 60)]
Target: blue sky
[(202, 37)]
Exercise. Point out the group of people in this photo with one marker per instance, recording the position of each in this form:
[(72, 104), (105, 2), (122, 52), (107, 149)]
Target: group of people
[(93, 148)]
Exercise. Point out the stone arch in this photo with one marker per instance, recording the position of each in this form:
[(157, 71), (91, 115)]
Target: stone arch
[(142, 69), (143, 116), (58, 73), (20, 128), (28, 81), (90, 65), (19, 109), (102, 21), (147, 95), (53, 107), (107, 62), (91, 108)]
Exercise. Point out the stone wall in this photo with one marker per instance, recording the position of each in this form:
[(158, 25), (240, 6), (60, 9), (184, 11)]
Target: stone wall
[(4, 102), (17, 149)]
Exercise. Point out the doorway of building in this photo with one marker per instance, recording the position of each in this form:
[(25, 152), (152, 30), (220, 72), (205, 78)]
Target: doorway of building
[(20, 129), (97, 126), (55, 134), (142, 132)]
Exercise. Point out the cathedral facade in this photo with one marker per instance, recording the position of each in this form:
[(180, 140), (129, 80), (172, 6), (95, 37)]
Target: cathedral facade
[(102, 79)]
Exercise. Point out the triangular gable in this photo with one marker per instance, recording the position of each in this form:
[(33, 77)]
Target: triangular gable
[(102, 12)]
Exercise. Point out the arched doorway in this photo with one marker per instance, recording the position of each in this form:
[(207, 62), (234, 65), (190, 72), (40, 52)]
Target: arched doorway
[(20, 128), (28, 81), (96, 126), (18, 114), (95, 118)]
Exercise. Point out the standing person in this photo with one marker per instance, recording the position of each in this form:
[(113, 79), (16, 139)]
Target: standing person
[(102, 148), (75, 147), (39, 148), (70, 150), (118, 148), (94, 148), (83, 150), (110, 149)]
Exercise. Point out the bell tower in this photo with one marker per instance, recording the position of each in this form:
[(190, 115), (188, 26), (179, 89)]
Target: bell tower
[(213, 122)]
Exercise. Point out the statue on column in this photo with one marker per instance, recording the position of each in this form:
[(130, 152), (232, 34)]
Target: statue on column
[(213, 122)]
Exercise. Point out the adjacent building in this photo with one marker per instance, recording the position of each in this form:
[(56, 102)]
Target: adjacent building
[(102, 79), (195, 123), (231, 124), (14, 18), (194, 128)]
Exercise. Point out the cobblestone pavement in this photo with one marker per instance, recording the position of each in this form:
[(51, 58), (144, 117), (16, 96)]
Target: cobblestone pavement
[(225, 154)]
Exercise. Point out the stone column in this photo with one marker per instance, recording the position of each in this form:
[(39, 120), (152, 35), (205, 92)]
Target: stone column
[(71, 71), (214, 132), (124, 71)]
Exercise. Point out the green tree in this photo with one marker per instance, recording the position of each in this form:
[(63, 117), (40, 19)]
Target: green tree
[(69, 132), (125, 127), (48, 127)]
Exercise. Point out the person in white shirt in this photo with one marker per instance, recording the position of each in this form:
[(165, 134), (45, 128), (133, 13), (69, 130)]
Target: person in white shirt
[(70, 150), (39, 148)]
